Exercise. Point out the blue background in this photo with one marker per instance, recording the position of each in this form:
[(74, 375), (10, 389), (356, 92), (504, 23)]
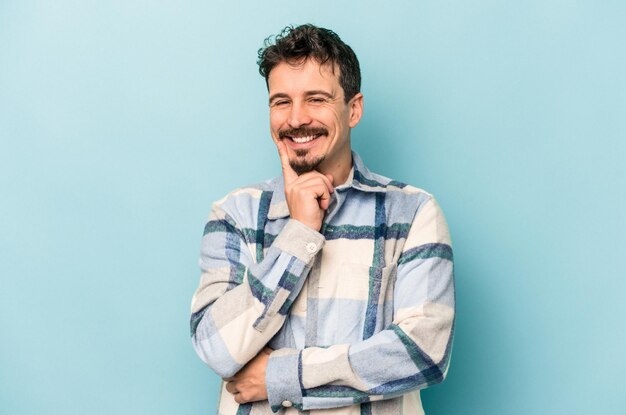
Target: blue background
[(121, 122)]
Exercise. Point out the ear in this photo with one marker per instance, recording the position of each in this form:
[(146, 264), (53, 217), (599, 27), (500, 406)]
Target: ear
[(356, 109)]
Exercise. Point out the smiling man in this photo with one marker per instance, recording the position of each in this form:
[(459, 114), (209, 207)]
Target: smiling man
[(310, 115), (329, 289)]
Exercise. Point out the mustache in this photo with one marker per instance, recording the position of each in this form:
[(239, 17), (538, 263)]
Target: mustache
[(302, 132)]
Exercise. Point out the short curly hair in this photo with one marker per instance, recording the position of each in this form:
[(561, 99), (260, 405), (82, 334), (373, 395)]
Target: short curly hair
[(308, 41)]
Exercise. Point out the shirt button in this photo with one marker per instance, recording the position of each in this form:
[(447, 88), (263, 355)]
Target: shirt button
[(311, 247), (287, 404)]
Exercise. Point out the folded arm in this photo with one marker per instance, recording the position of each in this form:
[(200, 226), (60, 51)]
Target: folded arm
[(240, 303)]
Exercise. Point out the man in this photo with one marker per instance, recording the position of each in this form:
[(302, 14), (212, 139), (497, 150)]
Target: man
[(328, 289)]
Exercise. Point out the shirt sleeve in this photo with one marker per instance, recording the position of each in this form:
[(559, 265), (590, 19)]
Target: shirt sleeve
[(241, 303), (411, 353)]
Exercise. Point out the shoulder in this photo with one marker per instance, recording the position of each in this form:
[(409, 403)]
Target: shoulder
[(416, 212), (398, 192), (412, 207), (243, 203)]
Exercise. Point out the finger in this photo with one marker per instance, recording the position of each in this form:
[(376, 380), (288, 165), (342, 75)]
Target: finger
[(268, 350), (320, 192), (288, 173), (230, 387), (314, 177), (328, 180), (331, 179), (243, 397), (324, 201), (313, 189)]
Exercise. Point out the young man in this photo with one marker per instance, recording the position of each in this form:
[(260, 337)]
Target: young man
[(329, 289)]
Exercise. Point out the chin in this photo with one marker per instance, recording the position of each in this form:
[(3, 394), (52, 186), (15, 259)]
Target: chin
[(303, 165)]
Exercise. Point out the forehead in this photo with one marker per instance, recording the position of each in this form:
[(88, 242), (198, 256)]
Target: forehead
[(295, 77)]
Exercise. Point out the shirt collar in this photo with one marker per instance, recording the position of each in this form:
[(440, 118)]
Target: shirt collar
[(360, 178)]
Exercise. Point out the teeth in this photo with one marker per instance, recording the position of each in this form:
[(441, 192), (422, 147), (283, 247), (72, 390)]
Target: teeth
[(301, 140)]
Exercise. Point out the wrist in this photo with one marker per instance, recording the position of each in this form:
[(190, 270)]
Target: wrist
[(313, 224)]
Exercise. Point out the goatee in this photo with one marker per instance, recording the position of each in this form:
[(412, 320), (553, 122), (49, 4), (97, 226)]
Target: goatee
[(303, 165)]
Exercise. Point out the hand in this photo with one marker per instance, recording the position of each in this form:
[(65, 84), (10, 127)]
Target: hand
[(248, 385), (307, 195)]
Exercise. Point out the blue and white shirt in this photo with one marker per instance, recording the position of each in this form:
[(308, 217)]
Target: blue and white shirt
[(360, 315)]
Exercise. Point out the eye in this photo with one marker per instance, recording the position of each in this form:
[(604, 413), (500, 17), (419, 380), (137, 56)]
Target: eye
[(316, 100), (280, 103)]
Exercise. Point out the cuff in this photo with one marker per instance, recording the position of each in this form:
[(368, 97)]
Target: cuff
[(300, 241), (282, 379)]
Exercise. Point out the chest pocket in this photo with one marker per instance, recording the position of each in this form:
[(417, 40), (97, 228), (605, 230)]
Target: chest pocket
[(355, 302)]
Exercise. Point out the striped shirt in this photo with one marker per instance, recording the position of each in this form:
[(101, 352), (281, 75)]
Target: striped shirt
[(360, 315)]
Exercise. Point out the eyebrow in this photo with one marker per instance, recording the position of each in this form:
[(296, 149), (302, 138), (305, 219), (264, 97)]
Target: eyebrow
[(319, 92), (307, 93), (278, 95)]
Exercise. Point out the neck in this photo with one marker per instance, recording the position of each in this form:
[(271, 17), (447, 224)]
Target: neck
[(339, 167)]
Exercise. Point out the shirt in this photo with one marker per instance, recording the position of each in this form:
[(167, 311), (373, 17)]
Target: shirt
[(360, 315)]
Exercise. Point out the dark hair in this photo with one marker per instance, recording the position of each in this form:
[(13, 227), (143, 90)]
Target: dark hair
[(296, 45)]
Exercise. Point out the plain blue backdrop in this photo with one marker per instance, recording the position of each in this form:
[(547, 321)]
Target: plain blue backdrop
[(121, 122)]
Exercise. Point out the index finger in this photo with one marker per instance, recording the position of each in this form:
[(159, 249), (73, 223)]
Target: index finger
[(289, 174)]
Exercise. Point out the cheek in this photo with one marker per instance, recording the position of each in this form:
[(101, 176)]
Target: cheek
[(275, 122), (338, 117), (279, 114)]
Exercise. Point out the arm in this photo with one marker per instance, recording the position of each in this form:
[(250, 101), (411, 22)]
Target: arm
[(412, 353), (240, 304)]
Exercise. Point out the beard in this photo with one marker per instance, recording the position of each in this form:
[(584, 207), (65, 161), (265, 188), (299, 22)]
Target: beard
[(301, 164)]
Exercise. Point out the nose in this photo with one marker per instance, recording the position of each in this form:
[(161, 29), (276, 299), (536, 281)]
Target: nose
[(298, 115)]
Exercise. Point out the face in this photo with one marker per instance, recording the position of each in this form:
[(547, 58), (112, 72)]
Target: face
[(309, 114)]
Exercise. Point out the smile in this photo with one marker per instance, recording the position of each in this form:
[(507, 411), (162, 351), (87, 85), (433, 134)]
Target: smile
[(306, 139)]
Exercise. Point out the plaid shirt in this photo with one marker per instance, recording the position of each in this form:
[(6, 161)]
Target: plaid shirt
[(360, 314)]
